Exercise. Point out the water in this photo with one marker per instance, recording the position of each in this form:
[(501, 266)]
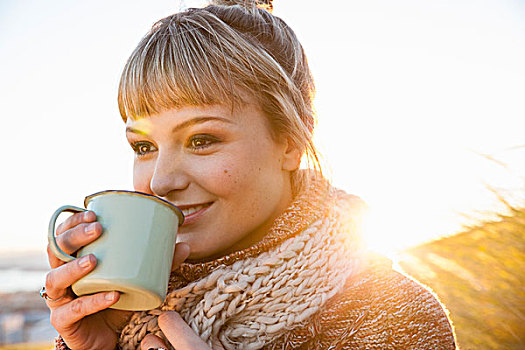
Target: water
[(19, 280), (22, 271), (23, 315)]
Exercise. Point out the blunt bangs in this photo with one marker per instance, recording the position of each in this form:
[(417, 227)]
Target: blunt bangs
[(179, 62), (223, 55)]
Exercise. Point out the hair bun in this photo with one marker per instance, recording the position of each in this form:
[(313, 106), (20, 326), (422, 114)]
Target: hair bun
[(248, 4)]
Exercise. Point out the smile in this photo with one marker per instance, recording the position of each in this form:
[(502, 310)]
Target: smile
[(192, 212)]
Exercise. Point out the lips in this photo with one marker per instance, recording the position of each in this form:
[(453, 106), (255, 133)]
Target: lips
[(189, 211), (192, 212)]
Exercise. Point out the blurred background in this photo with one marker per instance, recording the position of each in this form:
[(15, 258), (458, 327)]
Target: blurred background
[(420, 112)]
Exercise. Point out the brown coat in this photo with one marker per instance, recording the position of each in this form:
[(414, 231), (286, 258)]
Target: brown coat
[(379, 309)]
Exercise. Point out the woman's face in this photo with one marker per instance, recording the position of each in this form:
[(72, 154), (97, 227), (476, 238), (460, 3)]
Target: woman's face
[(221, 167)]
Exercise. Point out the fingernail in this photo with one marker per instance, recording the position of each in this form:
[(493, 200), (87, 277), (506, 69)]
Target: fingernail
[(86, 215), (110, 296), (91, 228), (85, 261)]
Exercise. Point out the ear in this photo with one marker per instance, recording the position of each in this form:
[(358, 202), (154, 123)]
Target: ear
[(291, 157)]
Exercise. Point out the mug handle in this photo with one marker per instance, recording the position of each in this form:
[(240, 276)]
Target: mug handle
[(51, 238)]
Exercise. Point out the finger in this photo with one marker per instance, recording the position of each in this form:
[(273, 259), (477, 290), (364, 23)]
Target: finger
[(182, 251), (65, 298), (60, 279), (151, 341), (63, 317), (76, 219), (78, 236), (69, 223), (73, 239), (179, 334)]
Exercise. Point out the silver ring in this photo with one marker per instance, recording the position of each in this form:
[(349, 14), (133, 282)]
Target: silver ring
[(44, 295)]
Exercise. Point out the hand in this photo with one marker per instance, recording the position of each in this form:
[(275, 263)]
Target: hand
[(85, 322), (179, 334)]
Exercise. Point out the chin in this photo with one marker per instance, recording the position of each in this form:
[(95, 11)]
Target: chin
[(198, 250)]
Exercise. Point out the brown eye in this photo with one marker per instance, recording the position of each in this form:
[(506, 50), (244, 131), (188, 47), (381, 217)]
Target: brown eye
[(196, 143), (199, 142), (142, 148)]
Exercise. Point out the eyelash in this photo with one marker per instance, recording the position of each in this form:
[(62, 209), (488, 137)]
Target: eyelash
[(207, 141), (193, 144), (136, 146)]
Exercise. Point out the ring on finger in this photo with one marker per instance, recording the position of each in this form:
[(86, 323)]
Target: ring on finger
[(44, 295)]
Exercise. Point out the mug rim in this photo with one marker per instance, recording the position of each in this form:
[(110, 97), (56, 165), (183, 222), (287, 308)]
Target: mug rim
[(172, 206)]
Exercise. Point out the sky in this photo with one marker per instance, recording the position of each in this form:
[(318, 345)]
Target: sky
[(413, 97)]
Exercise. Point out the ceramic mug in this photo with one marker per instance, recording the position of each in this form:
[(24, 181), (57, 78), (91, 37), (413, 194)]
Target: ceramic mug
[(135, 250)]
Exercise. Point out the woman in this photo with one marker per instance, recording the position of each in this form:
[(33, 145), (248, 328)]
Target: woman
[(218, 110)]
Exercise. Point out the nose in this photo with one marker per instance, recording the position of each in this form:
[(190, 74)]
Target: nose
[(169, 175)]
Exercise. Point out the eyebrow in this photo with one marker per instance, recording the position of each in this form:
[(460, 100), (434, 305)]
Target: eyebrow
[(187, 123), (198, 120)]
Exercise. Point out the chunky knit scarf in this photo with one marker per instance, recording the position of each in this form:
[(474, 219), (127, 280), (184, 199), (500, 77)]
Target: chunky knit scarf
[(252, 297)]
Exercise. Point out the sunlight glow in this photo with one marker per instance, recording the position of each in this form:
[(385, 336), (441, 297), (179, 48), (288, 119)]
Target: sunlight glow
[(410, 94)]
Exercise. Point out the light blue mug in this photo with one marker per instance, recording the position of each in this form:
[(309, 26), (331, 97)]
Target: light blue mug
[(135, 250)]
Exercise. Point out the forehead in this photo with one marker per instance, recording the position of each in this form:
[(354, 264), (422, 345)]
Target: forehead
[(178, 118)]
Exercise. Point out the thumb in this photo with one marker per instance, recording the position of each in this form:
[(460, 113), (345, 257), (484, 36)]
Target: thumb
[(151, 341), (179, 334), (182, 251)]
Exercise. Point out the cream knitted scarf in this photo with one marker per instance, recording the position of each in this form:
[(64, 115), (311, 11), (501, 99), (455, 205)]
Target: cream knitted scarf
[(251, 298)]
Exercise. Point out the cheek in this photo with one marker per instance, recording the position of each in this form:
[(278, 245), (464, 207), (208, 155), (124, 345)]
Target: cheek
[(141, 178), (241, 178), (222, 179), (222, 175)]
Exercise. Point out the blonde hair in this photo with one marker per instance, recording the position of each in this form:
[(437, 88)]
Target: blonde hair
[(215, 55)]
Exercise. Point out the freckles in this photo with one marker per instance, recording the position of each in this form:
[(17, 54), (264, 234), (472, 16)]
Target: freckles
[(225, 180)]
